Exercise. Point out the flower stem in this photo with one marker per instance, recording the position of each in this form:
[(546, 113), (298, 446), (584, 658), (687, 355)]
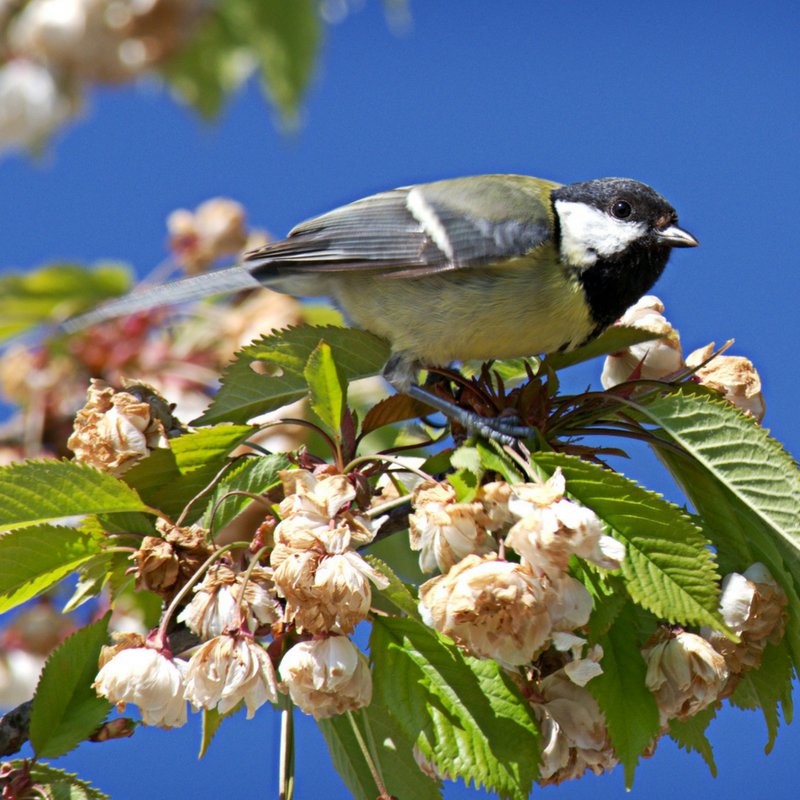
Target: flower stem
[(383, 794), (187, 587), (240, 599), (376, 511), (286, 766), (390, 460)]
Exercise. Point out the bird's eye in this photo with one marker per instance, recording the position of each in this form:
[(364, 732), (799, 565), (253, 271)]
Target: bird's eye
[(621, 209)]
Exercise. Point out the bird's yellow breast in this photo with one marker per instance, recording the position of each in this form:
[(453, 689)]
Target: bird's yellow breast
[(520, 308)]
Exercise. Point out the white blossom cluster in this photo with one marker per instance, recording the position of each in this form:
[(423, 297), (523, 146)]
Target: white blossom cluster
[(688, 672), (325, 587), (51, 48), (325, 582), (505, 592), (229, 667), (734, 377), (493, 607), (574, 733), (513, 611)]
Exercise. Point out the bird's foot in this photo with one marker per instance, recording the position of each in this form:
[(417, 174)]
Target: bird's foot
[(506, 429)]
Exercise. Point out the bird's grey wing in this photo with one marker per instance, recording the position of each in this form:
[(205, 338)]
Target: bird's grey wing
[(414, 231)]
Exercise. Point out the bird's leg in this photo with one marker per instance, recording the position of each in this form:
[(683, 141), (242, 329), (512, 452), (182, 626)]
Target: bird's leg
[(401, 372)]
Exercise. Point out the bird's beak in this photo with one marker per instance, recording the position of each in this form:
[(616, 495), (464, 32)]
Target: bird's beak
[(676, 237)]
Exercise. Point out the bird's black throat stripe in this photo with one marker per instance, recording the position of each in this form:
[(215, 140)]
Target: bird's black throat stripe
[(613, 285)]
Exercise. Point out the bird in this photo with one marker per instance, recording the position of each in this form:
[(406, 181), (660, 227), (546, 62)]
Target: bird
[(475, 268)]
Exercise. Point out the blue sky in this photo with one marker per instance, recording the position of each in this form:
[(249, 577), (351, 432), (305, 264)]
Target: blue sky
[(699, 100)]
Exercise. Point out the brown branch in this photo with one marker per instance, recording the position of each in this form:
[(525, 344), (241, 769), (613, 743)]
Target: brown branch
[(14, 728)]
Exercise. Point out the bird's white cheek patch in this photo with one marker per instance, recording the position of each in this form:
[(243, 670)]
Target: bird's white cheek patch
[(587, 233)]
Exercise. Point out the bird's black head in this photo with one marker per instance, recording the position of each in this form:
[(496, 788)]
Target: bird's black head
[(617, 234)]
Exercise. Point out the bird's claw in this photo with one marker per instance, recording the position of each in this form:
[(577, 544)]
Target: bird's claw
[(505, 430)]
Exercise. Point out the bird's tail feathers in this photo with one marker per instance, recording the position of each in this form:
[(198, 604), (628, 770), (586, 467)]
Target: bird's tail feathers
[(222, 281)]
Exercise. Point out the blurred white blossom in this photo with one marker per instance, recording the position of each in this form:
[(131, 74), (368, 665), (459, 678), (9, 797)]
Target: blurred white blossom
[(31, 104), (51, 29), (19, 674), (103, 40), (214, 229)]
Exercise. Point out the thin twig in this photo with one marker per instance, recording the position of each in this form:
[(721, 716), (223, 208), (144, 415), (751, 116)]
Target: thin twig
[(382, 793)]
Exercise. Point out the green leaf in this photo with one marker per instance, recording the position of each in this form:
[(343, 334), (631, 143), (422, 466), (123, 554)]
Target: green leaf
[(629, 707), (466, 479), (212, 721), (57, 784), (93, 575), (196, 449), (742, 483), (168, 479), (238, 36), (390, 751), (34, 559), (769, 688), (281, 39), (247, 393), (668, 567), (690, 735), (66, 709), (126, 523), (467, 458), (55, 292), (397, 593), (740, 455), (614, 339), (512, 371), (499, 462), (256, 475), (211, 66), (284, 37), (326, 386), (395, 551), (465, 714), (466, 485), (32, 492), (608, 598)]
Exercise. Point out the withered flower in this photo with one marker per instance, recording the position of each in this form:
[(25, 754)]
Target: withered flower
[(327, 676), (114, 430), (492, 608)]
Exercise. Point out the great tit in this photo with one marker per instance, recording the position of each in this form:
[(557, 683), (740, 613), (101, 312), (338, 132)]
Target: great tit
[(484, 267)]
